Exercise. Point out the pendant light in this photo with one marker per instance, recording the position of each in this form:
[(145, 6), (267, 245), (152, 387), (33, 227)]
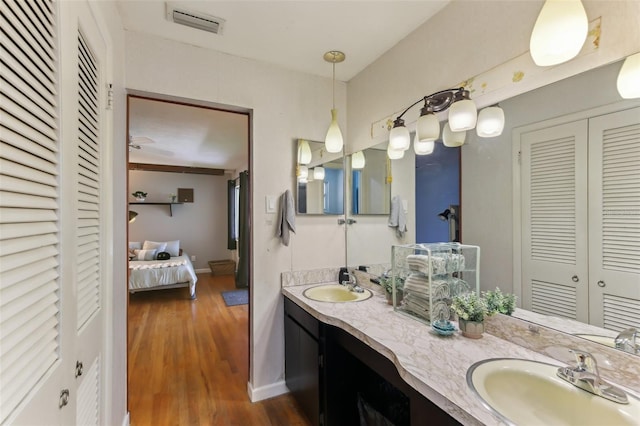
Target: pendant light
[(452, 139), (629, 77), (333, 141), (357, 160), (559, 32), (490, 122)]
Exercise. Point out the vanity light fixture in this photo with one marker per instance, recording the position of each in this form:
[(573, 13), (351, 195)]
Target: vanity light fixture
[(394, 154), (302, 173), (452, 139), (357, 160), (425, 147), (318, 173), (629, 77), (333, 141), (490, 122), (304, 152), (559, 32)]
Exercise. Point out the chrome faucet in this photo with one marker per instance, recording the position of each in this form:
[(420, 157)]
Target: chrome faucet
[(628, 341), (351, 283), (585, 375)]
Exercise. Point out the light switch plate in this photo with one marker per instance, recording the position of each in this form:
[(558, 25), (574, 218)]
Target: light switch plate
[(270, 204)]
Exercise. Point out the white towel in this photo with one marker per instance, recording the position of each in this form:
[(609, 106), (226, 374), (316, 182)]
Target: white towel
[(286, 218), (397, 217)]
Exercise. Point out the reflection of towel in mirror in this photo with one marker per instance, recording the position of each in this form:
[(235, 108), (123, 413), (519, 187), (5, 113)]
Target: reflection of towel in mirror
[(286, 217), (397, 218)]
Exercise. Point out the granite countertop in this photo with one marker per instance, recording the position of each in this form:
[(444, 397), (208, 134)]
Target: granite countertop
[(435, 366)]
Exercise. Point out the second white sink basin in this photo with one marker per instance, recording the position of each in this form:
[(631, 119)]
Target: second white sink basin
[(527, 392), (335, 293)]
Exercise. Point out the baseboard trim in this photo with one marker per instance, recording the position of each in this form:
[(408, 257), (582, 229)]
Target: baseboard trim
[(125, 421), (265, 392), (202, 270)]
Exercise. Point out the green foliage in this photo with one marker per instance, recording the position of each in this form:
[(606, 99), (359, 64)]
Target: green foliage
[(139, 194), (387, 282), (499, 302), (470, 307)]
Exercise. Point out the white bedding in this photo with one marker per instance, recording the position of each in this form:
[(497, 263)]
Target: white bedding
[(156, 274)]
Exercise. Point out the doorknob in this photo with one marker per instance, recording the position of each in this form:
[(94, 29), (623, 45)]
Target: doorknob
[(602, 284)]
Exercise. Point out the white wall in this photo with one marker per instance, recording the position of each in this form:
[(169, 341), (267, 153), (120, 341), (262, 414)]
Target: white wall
[(286, 105), (200, 226), (466, 39)]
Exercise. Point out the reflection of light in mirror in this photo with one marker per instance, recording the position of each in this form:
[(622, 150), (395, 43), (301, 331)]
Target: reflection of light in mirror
[(559, 32), (629, 78), (427, 128), (423, 148), (303, 173), (490, 122), (357, 160), (304, 152), (452, 139), (463, 115), (318, 173), (394, 154)]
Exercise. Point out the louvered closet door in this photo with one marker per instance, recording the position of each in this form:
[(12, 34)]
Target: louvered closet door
[(554, 221), (614, 211), (33, 334)]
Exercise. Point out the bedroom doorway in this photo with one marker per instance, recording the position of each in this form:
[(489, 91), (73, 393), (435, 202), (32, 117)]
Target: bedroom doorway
[(182, 154)]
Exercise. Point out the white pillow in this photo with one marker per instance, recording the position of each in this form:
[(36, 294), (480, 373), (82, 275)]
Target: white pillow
[(135, 245), (153, 245), (173, 248), (145, 254)]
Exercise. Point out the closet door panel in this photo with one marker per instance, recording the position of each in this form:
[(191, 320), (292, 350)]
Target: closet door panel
[(614, 214), (554, 219)]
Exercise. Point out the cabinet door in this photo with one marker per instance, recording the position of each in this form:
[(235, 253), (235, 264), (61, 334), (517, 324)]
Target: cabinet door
[(554, 220), (614, 220)]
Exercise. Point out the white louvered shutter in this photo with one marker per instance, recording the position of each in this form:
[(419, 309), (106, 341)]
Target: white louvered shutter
[(614, 230), (554, 219), (29, 253)]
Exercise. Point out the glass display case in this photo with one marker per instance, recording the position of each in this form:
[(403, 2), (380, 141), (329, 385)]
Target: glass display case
[(429, 275)]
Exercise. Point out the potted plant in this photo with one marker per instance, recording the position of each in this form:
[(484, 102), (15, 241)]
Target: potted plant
[(471, 310), (499, 302), (387, 282), (139, 195)]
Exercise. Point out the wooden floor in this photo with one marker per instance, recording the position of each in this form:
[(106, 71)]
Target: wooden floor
[(188, 361)]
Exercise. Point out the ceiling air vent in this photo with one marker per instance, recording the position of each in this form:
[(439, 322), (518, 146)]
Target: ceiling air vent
[(193, 19)]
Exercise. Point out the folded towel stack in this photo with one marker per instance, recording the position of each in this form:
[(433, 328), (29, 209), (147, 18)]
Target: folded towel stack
[(441, 263), (417, 283), (416, 304)]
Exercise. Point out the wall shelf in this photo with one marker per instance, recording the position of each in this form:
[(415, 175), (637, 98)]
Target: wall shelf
[(142, 203)]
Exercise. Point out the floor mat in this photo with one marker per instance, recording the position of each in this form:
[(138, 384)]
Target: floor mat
[(236, 297)]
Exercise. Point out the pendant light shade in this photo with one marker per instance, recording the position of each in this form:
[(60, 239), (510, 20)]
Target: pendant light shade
[(559, 32), (423, 148), (333, 141), (318, 173), (463, 115), (304, 152), (490, 122), (357, 160), (629, 77), (452, 139), (394, 154), (399, 138), (427, 128)]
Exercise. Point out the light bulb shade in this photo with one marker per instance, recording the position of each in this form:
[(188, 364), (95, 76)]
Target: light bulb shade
[(427, 128), (394, 154), (304, 152), (318, 173), (452, 139), (132, 216), (559, 32), (490, 122), (399, 138), (463, 115), (629, 77), (357, 160), (333, 140), (303, 172), (423, 148)]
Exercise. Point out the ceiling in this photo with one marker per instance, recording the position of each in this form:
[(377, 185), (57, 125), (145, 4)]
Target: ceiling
[(290, 34)]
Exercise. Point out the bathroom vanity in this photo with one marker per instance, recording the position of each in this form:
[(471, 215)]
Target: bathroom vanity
[(340, 353)]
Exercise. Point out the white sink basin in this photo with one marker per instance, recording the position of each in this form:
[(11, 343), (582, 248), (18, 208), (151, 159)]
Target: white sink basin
[(603, 340), (526, 392), (335, 293)]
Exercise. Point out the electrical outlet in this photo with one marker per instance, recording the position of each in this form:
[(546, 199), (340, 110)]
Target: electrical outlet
[(193, 257)]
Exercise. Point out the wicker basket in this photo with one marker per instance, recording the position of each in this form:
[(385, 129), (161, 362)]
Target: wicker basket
[(222, 267)]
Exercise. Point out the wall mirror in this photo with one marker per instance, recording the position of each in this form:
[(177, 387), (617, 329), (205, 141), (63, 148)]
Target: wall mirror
[(320, 179), (369, 181), (487, 177)]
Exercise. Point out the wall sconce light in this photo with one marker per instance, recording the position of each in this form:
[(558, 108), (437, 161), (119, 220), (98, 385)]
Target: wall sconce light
[(318, 173), (463, 116), (357, 160), (559, 32), (333, 141), (629, 77), (304, 152), (132, 216)]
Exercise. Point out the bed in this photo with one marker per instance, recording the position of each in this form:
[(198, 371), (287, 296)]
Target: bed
[(153, 274)]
